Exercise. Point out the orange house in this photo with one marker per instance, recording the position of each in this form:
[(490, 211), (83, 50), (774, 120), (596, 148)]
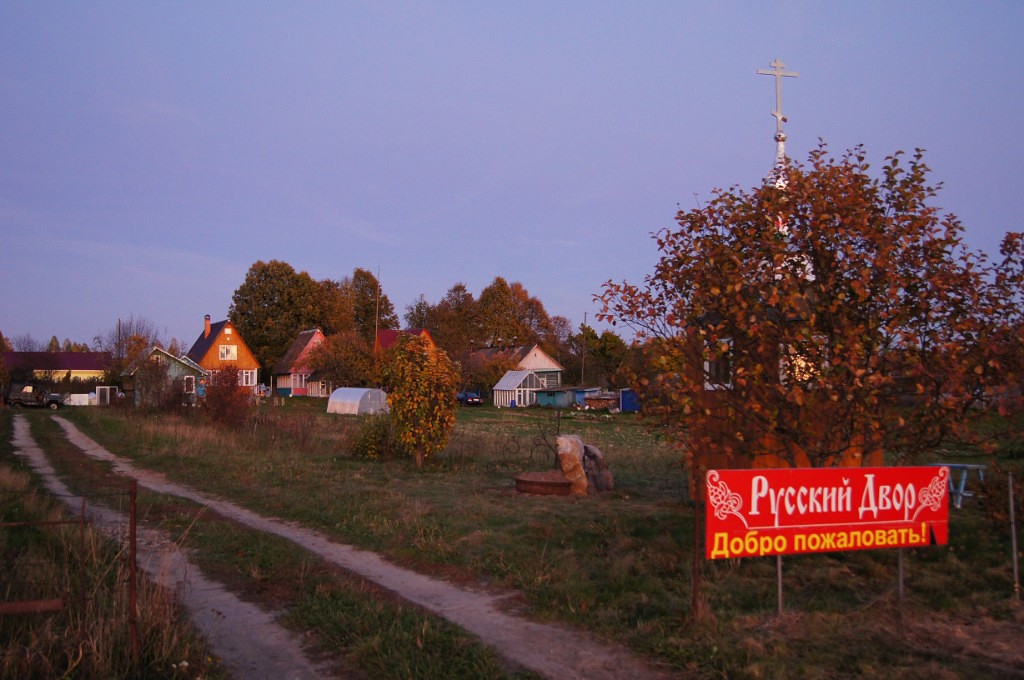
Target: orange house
[(219, 346)]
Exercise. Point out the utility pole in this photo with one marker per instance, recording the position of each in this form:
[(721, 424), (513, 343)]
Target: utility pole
[(376, 314), (583, 349)]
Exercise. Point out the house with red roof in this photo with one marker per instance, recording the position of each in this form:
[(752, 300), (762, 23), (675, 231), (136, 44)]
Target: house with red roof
[(291, 376)]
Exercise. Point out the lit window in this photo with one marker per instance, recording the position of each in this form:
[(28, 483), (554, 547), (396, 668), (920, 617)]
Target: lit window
[(718, 366), (802, 364)]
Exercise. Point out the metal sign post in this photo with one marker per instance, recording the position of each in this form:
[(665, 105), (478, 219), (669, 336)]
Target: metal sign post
[(1013, 539)]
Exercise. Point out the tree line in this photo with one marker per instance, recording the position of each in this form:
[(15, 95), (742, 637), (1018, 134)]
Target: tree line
[(275, 302)]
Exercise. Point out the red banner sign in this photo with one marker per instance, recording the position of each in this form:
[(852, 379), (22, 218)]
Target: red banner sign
[(800, 510)]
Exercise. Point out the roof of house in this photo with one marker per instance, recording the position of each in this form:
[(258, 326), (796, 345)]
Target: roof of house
[(386, 337), (287, 363), (58, 361), (201, 347), (490, 353), (524, 356), (145, 356)]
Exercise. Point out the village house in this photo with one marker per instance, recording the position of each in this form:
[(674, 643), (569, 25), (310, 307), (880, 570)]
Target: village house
[(157, 377), (534, 371), (220, 346), (292, 376)]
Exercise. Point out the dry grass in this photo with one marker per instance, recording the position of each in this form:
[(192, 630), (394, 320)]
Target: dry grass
[(90, 636)]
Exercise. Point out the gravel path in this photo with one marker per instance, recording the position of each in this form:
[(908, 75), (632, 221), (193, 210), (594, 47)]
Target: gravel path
[(552, 651)]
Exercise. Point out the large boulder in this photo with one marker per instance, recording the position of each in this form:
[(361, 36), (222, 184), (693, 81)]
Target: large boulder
[(599, 477), (570, 459), (583, 465)]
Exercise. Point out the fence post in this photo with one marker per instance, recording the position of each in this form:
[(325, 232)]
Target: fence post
[(1013, 539), (778, 582), (697, 476), (133, 627)]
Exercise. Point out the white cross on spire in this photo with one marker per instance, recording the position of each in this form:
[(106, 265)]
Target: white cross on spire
[(779, 73)]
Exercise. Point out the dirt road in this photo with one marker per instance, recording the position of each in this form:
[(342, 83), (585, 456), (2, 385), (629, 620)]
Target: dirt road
[(231, 626)]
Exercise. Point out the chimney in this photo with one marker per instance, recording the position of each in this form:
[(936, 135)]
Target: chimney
[(206, 328)]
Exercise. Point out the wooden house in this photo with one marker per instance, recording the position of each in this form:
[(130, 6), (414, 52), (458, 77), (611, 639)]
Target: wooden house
[(291, 376), (525, 358), (765, 450), (157, 377), (220, 346)]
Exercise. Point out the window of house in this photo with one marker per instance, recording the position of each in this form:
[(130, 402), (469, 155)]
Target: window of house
[(247, 378), (795, 366), (229, 352), (190, 384), (802, 364), (718, 366)]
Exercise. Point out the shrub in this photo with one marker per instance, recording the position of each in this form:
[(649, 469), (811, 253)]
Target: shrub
[(374, 439), (226, 402)]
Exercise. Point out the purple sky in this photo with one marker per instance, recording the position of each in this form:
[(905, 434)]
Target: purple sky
[(150, 152)]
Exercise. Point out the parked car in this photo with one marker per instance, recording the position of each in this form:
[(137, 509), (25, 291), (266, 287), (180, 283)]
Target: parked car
[(32, 395), (469, 399)]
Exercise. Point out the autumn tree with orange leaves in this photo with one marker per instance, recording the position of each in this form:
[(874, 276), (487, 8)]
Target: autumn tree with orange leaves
[(421, 383), (831, 314)]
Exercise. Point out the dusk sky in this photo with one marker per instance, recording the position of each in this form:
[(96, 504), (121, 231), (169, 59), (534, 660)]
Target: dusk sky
[(151, 152)]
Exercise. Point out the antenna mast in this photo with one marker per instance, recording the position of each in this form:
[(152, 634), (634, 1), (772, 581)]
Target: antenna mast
[(376, 314)]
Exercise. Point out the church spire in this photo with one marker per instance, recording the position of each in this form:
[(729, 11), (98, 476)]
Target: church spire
[(777, 175)]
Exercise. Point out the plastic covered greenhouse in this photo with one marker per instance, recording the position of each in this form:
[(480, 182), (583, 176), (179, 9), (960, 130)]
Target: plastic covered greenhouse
[(357, 401)]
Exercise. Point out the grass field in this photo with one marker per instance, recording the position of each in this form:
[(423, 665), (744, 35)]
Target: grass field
[(619, 564)]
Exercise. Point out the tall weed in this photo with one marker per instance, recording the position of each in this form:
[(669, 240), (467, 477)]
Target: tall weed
[(90, 635)]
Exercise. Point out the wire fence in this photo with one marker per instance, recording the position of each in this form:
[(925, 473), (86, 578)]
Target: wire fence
[(29, 583)]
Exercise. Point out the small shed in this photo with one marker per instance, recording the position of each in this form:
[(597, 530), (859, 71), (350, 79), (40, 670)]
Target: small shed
[(357, 401), (560, 398), (517, 388), (629, 402)]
